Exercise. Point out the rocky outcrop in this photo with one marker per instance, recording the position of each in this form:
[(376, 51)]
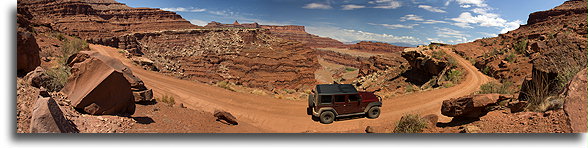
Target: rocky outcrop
[(369, 46), (571, 7), (576, 101), (226, 117), (248, 57), (47, 117), (298, 33), (380, 63), (473, 106), (341, 58), (140, 92), (421, 59), (38, 78), (101, 19), (27, 52), (98, 85)]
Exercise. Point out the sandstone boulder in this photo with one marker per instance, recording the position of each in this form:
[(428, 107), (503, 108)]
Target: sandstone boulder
[(472, 106), (27, 52), (576, 102), (47, 117), (140, 91), (97, 86), (225, 116)]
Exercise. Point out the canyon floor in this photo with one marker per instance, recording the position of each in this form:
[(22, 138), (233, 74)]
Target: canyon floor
[(267, 114)]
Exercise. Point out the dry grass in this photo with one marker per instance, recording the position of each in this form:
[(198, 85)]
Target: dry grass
[(167, 99), (539, 96), (410, 123), (496, 88)]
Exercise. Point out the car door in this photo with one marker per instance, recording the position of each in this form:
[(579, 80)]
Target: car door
[(340, 104), (354, 103)]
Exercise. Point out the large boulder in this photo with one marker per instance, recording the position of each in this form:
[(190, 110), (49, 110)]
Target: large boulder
[(27, 52), (98, 86), (472, 106), (47, 117), (575, 103), (140, 92)]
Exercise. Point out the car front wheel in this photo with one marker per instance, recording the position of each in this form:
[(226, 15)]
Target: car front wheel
[(327, 117), (374, 112)]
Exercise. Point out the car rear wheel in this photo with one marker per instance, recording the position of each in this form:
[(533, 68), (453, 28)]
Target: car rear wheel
[(374, 112), (327, 117)]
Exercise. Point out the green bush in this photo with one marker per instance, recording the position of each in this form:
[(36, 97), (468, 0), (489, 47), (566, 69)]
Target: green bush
[(58, 77), (226, 85), (493, 87), (510, 58), (521, 46), (453, 75), (409, 88), (70, 47), (410, 123)]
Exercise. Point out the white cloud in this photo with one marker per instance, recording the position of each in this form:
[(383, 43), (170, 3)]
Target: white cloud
[(448, 2), (395, 26), (417, 18), (454, 35), (432, 9), (465, 6), (317, 6), (198, 22), (348, 35), (478, 3), (182, 9), (386, 4), (485, 19), (411, 17), (351, 7)]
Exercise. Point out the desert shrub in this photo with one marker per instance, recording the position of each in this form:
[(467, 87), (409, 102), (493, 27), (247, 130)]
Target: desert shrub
[(510, 57), (439, 54), (448, 84), (410, 123), (493, 87), (521, 46), (452, 62), (70, 47), (349, 69), (225, 84), (486, 70), (409, 88), (566, 76), (58, 77), (453, 75), (167, 99), (539, 95)]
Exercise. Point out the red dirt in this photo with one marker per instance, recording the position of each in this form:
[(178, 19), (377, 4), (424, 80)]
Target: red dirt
[(275, 115)]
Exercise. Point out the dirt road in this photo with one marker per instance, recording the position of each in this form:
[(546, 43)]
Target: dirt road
[(286, 116)]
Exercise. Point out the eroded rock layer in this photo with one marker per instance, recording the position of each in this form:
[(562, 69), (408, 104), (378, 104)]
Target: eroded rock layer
[(250, 57), (102, 18)]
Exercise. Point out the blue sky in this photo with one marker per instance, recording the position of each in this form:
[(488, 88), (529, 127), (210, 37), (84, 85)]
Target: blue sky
[(394, 21)]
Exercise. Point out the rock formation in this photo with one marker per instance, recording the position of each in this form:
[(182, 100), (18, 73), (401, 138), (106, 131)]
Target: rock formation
[(90, 19), (369, 46), (27, 52), (250, 57), (98, 85), (473, 106), (576, 102), (289, 32), (552, 41), (47, 117)]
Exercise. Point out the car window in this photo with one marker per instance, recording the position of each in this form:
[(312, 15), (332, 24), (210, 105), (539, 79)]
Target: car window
[(353, 98), (326, 99), (340, 99)]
